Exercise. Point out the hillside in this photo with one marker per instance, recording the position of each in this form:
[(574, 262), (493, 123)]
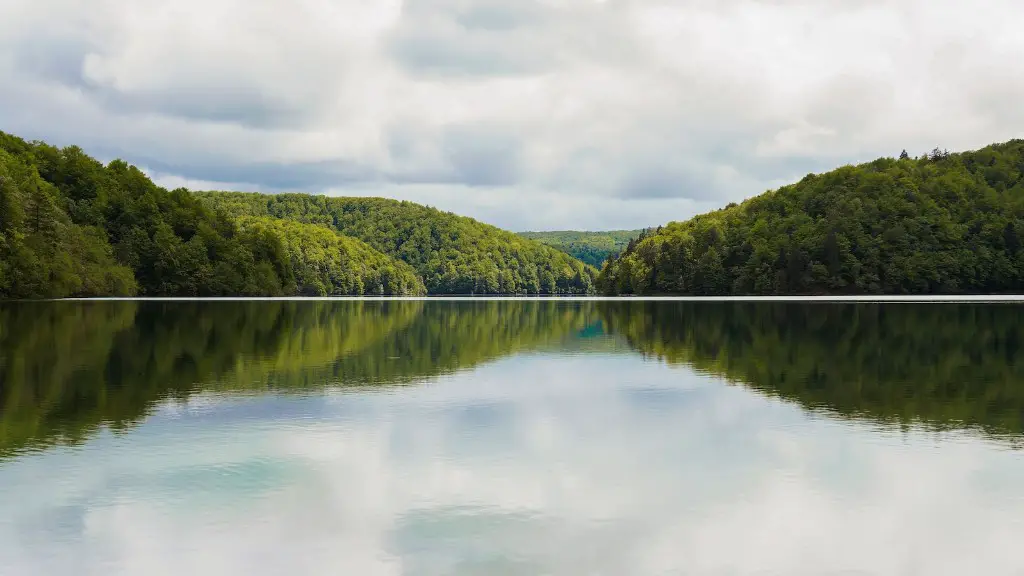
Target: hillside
[(591, 248), (70, 226), (325, 262), (943, 223), (453, 254)]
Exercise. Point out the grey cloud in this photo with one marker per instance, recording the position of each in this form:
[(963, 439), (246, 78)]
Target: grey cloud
[(508, 37), (483, 157), (445, 48), (664, 181), (639, 110), (472, 155), (52, 58), (237, 104), (500, 15), (252, 79), (300, 176)]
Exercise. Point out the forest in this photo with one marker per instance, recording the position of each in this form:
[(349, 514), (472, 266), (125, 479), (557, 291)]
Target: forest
[(453, 254), (71, 226), (939, 224), (592, 248)]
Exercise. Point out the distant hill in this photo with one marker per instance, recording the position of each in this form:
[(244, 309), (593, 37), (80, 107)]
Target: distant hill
[(590, 247), (453, 254), (71, 226), (941, 224)]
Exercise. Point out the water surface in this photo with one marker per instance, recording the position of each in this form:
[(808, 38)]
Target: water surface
[(511, 437)]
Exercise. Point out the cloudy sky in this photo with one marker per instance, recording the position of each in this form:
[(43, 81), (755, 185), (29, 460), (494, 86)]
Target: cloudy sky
[(530, 114)]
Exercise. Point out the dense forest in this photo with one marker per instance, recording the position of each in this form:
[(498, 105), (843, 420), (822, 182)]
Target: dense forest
[(453, 254), (591, 248), (941, 224), (325, 262), (952, 366), (67, 368), (71, 226)]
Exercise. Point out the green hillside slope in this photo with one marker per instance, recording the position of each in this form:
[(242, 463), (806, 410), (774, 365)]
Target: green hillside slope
[(453, 254), (943, 223), (327, 263), (70, 226), (589, 247)]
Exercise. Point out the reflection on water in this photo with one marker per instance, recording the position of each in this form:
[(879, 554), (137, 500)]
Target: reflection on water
[(527, 437), (945, 365)]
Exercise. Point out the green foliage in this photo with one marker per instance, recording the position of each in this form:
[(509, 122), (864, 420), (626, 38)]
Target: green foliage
[(70, 226), (946, 366), (941, 224), (453, 254), (592, 248), (325, 263), (43, 252)]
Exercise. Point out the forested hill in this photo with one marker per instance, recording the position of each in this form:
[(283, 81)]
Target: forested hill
[(942, 223), (453, 254), (589, 247), (70, 226)]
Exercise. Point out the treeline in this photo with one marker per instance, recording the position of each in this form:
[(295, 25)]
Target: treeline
[(70, 226), (452, 254), (591, 248), (942, 224), (328, 263)]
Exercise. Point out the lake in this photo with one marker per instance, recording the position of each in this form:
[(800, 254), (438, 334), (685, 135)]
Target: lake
[(511, 437)]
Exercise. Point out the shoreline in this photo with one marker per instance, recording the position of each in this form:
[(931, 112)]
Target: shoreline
[(931, 298)]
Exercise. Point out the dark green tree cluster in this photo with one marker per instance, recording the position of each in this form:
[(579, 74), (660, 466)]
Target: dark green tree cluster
[(939, 224), (70, 226), (453, 254), (949, 366), (43, 251), (325, 263), (591, 248)]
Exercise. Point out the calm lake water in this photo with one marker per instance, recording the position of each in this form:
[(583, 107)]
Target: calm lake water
[(511, 437)]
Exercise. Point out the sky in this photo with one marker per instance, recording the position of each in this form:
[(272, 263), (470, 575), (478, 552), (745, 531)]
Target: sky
[(527, 114)]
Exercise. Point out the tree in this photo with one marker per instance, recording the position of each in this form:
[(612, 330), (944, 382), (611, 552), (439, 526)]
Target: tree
[(1010, 238), (945, 223)]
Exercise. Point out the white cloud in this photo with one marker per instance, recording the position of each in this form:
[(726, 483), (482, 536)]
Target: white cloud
[(494, 99)]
